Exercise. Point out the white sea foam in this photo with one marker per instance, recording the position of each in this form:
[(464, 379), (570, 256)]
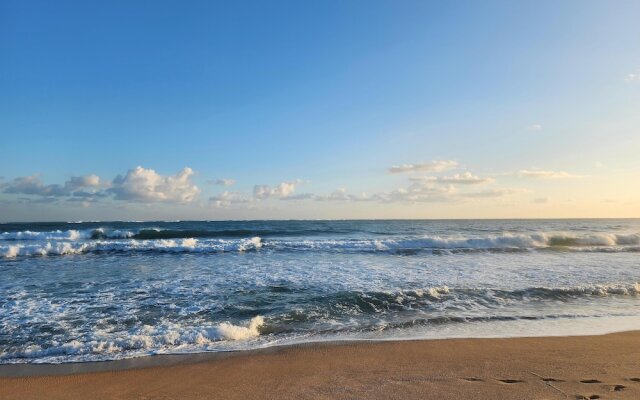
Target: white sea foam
[(250, 244), (48, 248), (234, 332), (51, 235), (167, 337), (490, 242), (69, 235), (189, 245), (438, 291), (12, 251)]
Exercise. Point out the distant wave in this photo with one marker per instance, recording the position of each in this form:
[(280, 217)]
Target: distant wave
[(142, 234), (70, 235), (118, 246), (28, 243), (505, 242), (515, 240), (148, 233)]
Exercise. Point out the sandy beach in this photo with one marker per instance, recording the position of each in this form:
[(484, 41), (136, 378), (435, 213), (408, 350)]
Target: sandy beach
[(297, 200), (591, 367)]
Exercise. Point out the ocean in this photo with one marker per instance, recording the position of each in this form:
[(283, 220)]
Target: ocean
[(91, 291)]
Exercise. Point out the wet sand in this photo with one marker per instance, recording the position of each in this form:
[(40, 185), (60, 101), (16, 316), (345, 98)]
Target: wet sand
[(580, 367)]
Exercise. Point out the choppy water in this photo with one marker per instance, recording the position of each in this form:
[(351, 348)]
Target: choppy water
[(109, 290)]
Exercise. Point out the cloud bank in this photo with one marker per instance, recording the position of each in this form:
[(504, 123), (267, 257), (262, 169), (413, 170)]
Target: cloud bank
[(137, 185), (146, 186)]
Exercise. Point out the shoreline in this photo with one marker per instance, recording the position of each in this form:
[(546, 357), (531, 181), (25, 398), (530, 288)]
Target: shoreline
[(11, 370), (573, 328), (525, 367)]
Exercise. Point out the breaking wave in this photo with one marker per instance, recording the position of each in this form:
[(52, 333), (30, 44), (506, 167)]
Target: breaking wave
[(168, 337), (150, 233), (531, 293), (71, 234), (28, 243), (128, 246), (466, 298), (494, 243)]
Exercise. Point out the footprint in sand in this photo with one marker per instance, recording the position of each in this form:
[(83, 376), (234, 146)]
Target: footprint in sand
[(618, 388), (552, 380), (634, 379), (510, 380), (583, 397), (473, 379), (590, 381)]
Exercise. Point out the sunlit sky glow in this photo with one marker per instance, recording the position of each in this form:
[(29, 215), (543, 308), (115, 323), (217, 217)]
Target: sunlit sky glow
[(344, 109)]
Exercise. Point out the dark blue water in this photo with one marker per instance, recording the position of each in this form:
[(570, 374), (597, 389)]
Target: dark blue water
[(109, 290)]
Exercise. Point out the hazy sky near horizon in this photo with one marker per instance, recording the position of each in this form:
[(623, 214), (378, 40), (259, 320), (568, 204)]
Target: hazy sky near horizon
[(333, 109)]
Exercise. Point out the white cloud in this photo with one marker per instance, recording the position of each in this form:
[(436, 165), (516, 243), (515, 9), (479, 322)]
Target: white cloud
[(342, 195), (222, 182), (545, 174), (490, 193), (465, 178), (32, 185), (430, 166), (284, 189), (535, 127), (226, 199), (146, 185), (77, 182), (541, 200), (426, 191), (339, 194), (301, 196), (419, 192)]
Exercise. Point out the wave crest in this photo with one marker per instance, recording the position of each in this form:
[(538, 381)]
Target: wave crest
[(148, 338), (127, 246)]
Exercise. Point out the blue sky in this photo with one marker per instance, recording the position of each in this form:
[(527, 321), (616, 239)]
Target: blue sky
[(538, 100)]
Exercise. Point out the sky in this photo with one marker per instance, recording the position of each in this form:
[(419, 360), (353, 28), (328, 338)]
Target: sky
[(165, 110)]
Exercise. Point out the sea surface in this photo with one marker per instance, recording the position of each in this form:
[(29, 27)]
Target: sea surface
[(88, 291)]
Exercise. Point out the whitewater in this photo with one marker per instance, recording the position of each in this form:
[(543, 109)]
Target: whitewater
[(91, 291)]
